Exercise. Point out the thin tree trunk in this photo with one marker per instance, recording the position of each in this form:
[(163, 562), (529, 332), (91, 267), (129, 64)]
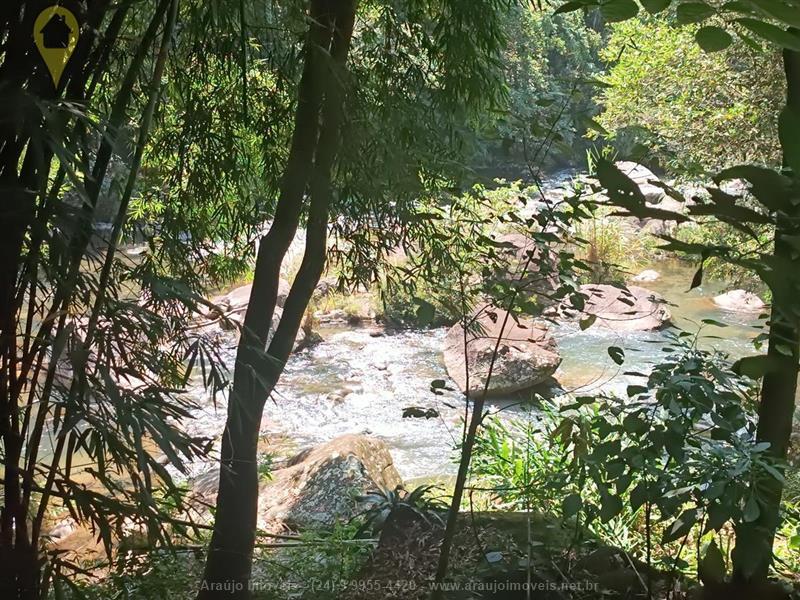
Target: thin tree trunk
[(229, 562), (752, 556)]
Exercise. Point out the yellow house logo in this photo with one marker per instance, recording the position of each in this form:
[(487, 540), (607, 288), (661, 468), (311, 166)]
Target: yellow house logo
[(55, 33)]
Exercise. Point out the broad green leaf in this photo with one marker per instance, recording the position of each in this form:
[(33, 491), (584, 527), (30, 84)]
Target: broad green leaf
[(751, 510), (571, 505), (635, 390), (624, 192), (680, 526), (711, 569), (789, 133), (697, 280), (718, 515), (571, 6), (655, 6), (610, 507), (771, 33), (768, 186), (587, 322), (780, 11), (713, 322), (617, 354), (693, 12), (639, 495), (755, 367), (713, 38), (633, 423), (425, 312), (619, 10)]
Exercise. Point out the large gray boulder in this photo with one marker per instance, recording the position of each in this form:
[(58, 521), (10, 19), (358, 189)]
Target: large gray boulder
[(620, 309), (526, 356), (740, 301), (320, 486)]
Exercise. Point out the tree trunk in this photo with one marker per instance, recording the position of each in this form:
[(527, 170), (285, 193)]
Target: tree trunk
[(752, 556), (228, 567)]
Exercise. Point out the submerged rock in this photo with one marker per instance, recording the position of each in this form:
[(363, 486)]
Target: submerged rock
[(621, 309), (648, 275), (320, 486), (526, 356), (740, 301)]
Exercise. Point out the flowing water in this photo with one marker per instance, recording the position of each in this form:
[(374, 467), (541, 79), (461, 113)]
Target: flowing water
[(357, 381)]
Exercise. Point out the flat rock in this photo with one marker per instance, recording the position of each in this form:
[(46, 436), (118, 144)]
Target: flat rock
[(526, 356), (740, 301), (621, 309)]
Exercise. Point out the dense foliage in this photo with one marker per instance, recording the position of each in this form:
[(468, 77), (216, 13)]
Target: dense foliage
[(671, 103)]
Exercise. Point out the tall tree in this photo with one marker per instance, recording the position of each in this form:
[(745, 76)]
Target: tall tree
[(754, 541), (418, 68), (313, 149)]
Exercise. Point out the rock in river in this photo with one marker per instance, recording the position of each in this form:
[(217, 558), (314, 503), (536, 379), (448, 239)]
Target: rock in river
[(529, 264), (647, 275), (320, 486), (621, 309), (740, 301), (526, 356)]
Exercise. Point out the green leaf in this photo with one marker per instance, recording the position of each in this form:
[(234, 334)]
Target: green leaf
[(655, 6), (768, 186), (693, 12), (587, 322), (718, 515), (680, 526), (713, 322), (635, 390), (617, 354), (610, 507), (751, 510), (755, 367), (713, 39), (711, 569), (570, 7), (780, 11), (697, 280), (639, 495), (789, 133), (634, 424), (624, 192), (593, 125), (619, 10), (771, 33), (571, 505)]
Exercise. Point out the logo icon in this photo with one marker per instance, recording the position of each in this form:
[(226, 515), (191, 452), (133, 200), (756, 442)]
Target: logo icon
[(55, 34)]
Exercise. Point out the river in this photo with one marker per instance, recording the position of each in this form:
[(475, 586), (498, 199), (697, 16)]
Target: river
[(359, 380)]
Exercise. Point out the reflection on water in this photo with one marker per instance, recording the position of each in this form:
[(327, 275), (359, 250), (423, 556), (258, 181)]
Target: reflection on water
[(357, 382)]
